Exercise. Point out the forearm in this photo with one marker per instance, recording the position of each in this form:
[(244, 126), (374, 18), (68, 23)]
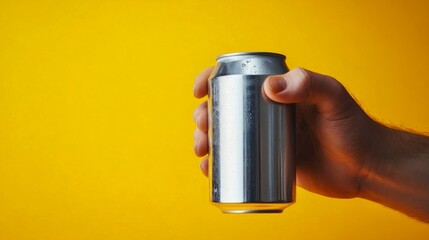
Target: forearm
[(399, 174)]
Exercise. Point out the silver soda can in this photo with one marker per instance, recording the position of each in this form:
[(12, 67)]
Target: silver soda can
[(251, 139)]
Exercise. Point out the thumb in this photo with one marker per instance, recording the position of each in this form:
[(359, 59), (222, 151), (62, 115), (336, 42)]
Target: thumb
[(301, 85)]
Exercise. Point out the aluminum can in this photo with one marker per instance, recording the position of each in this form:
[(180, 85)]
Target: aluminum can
[(251, 139)]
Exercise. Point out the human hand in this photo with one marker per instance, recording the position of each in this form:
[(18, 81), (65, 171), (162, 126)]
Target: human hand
[(333, 133)]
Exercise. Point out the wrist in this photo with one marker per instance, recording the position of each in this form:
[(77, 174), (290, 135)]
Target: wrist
[(396, 172), (376, 159)]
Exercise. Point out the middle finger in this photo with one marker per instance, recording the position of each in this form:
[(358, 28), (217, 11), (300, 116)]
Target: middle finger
[(201, 116)]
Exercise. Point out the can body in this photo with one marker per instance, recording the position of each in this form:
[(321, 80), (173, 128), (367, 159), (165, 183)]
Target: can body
[(251, 139)]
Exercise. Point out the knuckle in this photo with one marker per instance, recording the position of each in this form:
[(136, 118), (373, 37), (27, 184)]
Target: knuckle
[(302, 72), (303, 77), (302, 82), (196, 134), (198, 122), (195, 114), (201, 109)]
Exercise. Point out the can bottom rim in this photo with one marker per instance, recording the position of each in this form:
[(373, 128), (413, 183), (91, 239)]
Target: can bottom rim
[(240, 208)]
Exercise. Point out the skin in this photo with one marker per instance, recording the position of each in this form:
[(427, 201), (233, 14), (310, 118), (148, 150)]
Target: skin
[(341, 151)]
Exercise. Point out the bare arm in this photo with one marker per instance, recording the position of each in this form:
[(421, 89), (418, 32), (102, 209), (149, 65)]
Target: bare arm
[(400, 179)]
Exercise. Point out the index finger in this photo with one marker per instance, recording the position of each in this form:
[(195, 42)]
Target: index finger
[(201, 81)]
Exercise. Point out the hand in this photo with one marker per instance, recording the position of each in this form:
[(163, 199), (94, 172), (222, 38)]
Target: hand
[(341, 151), (332, 130)]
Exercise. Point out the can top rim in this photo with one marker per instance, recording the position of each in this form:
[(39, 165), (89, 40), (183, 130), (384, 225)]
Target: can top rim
[(237, 54)]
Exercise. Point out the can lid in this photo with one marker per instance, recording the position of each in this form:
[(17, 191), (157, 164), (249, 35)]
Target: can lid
[(241, 54)]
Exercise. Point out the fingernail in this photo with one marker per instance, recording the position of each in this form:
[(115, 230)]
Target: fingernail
[(276, 84)]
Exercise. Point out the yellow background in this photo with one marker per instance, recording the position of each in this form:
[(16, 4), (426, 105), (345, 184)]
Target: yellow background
[(96, 111)]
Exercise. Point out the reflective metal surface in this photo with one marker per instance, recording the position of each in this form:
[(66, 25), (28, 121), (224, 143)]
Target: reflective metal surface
[(252, 141)]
